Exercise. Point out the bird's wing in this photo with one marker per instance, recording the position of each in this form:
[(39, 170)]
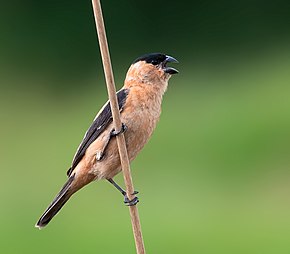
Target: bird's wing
[(102, 120)]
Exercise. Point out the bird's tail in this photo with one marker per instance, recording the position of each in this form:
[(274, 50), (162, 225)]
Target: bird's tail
[(61, 198)]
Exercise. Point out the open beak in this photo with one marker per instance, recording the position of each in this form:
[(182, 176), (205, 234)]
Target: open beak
[(169, 70)]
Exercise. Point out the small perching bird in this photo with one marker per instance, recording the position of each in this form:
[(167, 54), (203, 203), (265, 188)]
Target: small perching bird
[(139, 103)]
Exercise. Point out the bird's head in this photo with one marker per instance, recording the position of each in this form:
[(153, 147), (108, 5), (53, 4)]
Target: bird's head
[(152, 68)]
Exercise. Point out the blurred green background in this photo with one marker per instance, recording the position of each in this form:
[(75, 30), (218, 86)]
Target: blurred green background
[(214, 178)]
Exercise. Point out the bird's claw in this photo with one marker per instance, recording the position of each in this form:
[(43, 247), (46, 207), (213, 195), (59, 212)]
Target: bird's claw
[(100, 154), (132, 202), (122, 130)]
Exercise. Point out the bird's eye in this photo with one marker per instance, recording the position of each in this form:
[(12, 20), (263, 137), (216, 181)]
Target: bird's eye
[(154, 62)]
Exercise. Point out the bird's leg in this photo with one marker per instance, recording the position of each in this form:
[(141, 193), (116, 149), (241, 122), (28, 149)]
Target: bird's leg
[(113, 133), (119, 188), (127, 201)]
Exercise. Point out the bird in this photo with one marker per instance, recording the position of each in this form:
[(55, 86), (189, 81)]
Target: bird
[(97, 157)]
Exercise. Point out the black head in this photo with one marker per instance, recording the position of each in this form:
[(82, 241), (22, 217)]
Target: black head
[(153, 58), (159, 59)]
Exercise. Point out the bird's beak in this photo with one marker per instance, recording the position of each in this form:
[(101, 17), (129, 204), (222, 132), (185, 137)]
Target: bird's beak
[(169, 70)]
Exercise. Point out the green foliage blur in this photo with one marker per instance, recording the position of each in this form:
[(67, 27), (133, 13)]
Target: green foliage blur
[(215, 176)]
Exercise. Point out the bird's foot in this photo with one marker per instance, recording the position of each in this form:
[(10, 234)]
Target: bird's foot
[(132, 202), (115, 133)]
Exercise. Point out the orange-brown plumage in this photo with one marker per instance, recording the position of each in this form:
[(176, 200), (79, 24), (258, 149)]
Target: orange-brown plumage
[(145, 85)]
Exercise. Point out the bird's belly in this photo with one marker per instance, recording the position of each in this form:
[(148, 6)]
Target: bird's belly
[(139, 129), (139, 132)]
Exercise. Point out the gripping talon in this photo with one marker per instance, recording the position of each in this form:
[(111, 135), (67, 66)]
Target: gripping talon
[(127, 201), (122, 130), (132, 202)]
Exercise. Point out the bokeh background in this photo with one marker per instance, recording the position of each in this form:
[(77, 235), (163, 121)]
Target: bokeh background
[(214, 178)]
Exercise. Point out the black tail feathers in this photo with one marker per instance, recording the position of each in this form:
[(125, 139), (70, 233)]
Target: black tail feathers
[(61, 198)]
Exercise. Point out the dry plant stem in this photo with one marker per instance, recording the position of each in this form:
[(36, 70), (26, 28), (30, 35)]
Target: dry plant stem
[(117, 123)]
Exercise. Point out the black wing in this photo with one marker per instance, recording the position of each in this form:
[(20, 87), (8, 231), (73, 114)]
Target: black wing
[(102, 120)]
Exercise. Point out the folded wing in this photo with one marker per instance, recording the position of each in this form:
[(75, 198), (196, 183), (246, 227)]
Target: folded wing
[(102, 120)]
